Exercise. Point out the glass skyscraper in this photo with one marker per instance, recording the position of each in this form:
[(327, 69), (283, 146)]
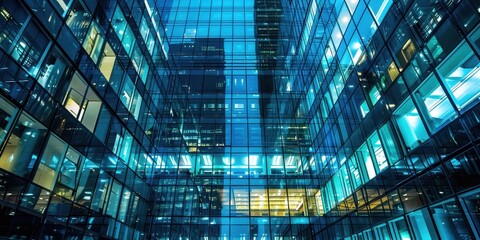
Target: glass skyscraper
[(240, 119)]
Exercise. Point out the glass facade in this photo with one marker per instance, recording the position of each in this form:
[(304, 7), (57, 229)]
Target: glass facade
[(254, 119)]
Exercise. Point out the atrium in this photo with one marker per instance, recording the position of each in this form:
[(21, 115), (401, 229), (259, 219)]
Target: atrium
[(240, 119)]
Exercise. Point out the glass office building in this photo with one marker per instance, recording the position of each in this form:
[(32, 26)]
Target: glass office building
[(229, 119)]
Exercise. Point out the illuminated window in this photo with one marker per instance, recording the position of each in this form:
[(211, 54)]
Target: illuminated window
[(94, 42), (377, 152), (22, 145), (52, 158), (461, 74), (12, 17), (410, 125), (53, 70), (79, 20), (82, 103), (434, 104), (107, 61)]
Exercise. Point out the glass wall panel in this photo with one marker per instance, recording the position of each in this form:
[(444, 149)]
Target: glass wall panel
[(460, 72), (114, 199), (82, 103), (462, 170), (381, 232), (444, 41), (13, 16), (35, 198), (30, 48), (107, 61), (377, 152), (24, 146), (7, 117), (53, 70), (47, 170), (471, 206), (434, 103), (421, 224), (393, 148), (79, 20), (410, 125), (46, 14), (69, 175), (89, 173), (449, 220), (399, 229), (93, 44), (61, 5)]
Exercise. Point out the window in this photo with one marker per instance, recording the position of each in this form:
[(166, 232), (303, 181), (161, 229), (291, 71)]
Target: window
[(113, 202), (449, 220), (79, 20), (462, 171), (24, 144), (88, 175), (123, 31), (52, 157), (434, 104), (380, 9), (47, 15), (364, 108), (381, 232), (123, 145), (393, 149), (374, 95), (461, 73), (82, 102), (376, 148), (125, 205), (99, 196), (130, 97), (69, 174), (61, 5), (107, 61), (30, 47), (410, 125), (424, 17), (471, 205), (54, 68), (367, 27), (7, 116), (445, 39), (403, 46), (355, 173), (421, 225), (12, 18), (366, 163), (399, 229), (466, 14), (474, 37), (94, 42)]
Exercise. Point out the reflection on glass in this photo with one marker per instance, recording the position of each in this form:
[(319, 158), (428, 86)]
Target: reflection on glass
[(23, 146), (434, 104), (79, 20), (47, 171), (461, 72), (53, 70), (449, 220), (471, 205), (82, 103), (410, 125), (399, 229), (421, 225), (7, 116)]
